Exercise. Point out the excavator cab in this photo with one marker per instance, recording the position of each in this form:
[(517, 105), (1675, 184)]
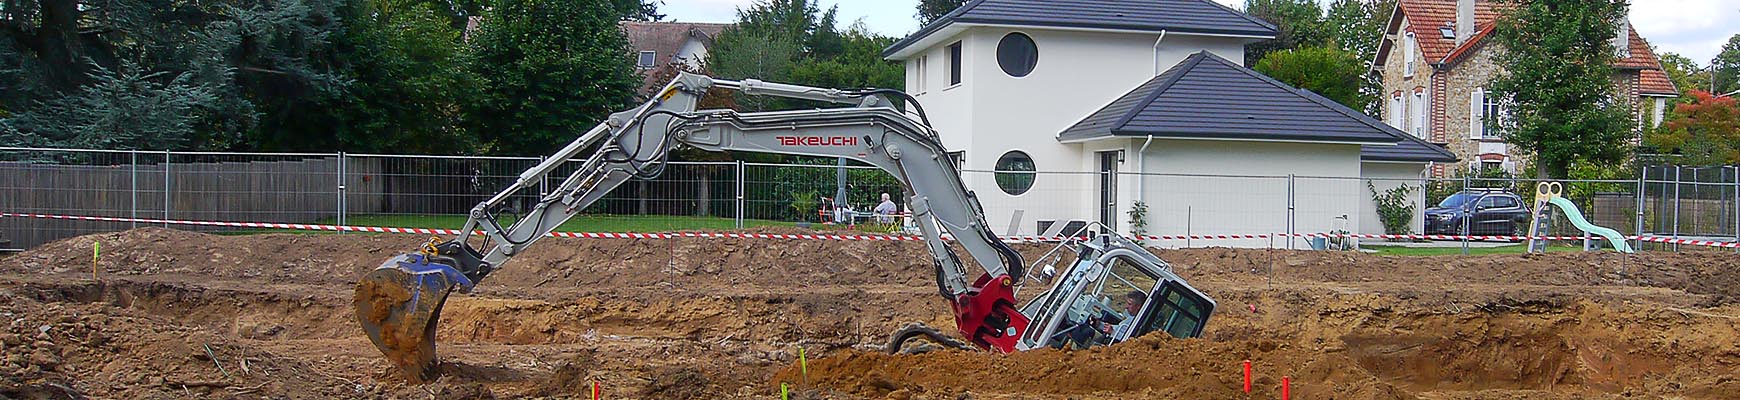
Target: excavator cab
[(1112, 291)]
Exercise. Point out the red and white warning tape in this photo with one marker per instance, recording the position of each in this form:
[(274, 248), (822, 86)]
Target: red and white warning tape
[(732, 235), (1668, 240)]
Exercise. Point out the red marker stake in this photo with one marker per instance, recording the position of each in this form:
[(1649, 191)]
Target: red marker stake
[(1286, 388), (597, 392), (1247, 376)]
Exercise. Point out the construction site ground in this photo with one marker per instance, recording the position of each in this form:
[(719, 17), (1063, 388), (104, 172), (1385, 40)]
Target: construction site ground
[(173, 314)]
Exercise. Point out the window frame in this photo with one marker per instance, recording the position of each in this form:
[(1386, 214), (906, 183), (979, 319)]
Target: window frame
[(998, 173), (648, 59), (1408, 51), (1034, 45), (1417, 113), (957, 63), (1158, 300), (1492, 114)]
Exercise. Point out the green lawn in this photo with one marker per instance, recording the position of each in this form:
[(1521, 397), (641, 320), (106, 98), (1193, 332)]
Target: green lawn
[(583, 223), (1445, 251)]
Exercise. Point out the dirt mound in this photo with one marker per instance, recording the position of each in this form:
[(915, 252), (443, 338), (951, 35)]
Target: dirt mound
[(1578, 350), (74, 350), (724, 318)]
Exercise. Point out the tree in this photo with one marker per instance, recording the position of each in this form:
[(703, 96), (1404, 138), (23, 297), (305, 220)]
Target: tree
[(638, 10), (1298, 22), (1558, 83), (1357, 26), (124, 109), (1330, 72), (931, 10), (256, 70), (1684, 72), (409, 82), (1702, 131), (859, 65), (550, 70), (796, 42), (1726, 67)]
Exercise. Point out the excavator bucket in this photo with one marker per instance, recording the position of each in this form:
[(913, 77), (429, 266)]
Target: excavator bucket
[(399, 305)]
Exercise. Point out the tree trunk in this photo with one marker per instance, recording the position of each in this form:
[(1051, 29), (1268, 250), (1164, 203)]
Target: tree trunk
[(59, 46), (704, 208)]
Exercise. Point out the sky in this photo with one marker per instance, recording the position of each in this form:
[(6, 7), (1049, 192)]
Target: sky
[(1693, 28)]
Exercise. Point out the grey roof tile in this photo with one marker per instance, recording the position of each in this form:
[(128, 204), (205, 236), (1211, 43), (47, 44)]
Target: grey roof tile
[(1183, 16), (1209, 97)]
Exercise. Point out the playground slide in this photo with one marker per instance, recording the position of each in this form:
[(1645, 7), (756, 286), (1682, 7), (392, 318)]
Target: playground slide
[(1576, 218)]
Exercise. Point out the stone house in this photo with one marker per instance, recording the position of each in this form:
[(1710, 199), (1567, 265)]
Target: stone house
[(1435, 63)]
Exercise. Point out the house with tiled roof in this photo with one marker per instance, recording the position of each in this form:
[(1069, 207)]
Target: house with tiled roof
[(661, 44), (1436, 59), (1076, 110)]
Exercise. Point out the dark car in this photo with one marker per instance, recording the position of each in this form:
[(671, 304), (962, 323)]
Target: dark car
[(1471, 212)]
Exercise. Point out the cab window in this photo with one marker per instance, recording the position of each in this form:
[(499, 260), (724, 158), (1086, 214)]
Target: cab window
[(1176, 311)]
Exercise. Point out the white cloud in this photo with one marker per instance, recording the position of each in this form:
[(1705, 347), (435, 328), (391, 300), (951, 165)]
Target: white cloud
[(1693, 28)]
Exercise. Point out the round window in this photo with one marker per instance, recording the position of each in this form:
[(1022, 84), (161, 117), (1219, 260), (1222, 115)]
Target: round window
[(1014, 173), (1017, 54)]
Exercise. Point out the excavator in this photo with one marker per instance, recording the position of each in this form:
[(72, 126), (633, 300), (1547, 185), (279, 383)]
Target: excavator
[(399, 303)]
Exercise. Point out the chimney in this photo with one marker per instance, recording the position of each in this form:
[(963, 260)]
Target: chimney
[(1622, 41), (1464, 20)]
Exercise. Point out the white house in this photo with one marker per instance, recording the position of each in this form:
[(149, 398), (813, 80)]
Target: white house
[(663, 44), (1154, 91)]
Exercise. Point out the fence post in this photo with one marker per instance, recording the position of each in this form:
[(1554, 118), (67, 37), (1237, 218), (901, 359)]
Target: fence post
[(739, 186), (1466, 231), (341, 189), (166, 162), (1736, 200), (1642, 195), (543, 181), (1291, 208), (134, 189), (1678, 172)]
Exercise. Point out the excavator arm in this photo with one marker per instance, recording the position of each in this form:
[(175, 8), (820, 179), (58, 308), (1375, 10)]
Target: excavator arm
[(399, 303)]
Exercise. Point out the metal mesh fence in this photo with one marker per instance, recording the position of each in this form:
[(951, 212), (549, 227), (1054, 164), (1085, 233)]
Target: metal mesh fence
[(436, 192)]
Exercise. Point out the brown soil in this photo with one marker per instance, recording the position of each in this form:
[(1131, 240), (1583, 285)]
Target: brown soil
[(182, 315)]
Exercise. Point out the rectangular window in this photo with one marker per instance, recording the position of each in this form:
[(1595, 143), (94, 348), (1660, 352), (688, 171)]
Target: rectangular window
[(1408, 53), (1418, 111), (648, 59), (1492, 114), (1396, 111), (922, 81), (955, 64)]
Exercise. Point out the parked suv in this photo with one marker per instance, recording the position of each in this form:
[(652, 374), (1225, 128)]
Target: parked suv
[(1486, 212)]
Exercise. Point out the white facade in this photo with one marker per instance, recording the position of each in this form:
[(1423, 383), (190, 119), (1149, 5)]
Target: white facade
[(990, 113), (693, 52), (1198, 187), (1389, 175)]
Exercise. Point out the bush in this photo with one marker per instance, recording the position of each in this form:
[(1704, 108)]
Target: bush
[(1395, 208)]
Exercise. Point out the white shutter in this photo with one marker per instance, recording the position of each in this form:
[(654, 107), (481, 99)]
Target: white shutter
[(1477, 114), (1408, 55)]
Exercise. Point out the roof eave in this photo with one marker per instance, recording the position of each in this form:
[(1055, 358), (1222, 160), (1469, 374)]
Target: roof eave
[(1245, 138), (948, 27)]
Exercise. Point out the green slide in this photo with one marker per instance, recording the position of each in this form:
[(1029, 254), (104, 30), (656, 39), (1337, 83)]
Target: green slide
[(1576, 218)]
